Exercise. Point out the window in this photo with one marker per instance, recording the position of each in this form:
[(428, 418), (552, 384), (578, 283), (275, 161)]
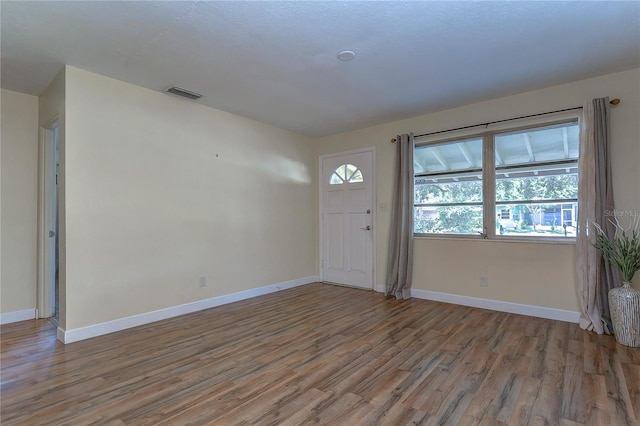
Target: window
[(536, 176), (525, 185), (448, 188), (346, 173)]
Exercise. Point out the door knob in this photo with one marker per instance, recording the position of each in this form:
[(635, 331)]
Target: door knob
[(367, 228)]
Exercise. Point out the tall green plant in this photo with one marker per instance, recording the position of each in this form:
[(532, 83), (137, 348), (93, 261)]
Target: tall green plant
[(623, 250)]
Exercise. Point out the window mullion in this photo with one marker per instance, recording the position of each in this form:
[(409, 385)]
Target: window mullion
[(489, 184)]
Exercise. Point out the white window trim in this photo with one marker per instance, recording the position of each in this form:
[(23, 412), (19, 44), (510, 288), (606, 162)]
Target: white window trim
[(489, 171)]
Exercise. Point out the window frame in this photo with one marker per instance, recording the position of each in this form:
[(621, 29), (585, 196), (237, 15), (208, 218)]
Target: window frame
[(480, 203), (346, 179), (489, 173)]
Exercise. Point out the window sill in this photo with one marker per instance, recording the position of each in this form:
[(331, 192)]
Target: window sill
[(555, 241)]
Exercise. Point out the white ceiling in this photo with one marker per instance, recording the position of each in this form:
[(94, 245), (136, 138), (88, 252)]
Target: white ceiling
[(275, 61)]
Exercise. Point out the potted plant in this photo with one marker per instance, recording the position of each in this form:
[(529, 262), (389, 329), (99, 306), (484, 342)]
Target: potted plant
[(623, 250)]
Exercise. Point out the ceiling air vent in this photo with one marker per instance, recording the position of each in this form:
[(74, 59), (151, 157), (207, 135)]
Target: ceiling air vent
[(184, 93)]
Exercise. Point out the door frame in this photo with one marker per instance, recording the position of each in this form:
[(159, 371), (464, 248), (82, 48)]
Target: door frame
[(374, 197), (45, 293)]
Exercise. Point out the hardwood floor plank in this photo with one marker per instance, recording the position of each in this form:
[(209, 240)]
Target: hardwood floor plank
[(502, 407), (596, 400), (565, 422), (338, 411), (620, 406), (488, 403), (632, 378), (427, 378), (307, 414), (593, 363), (399, 414), (572, 407), (322, 354), (459, 389), (354, 415)]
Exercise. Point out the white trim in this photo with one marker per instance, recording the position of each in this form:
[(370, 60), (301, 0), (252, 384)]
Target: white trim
[(15, 316), (47, 218), (380, 288), (60, 334), (374, 208), (489, 171), (498, 239), (74, 335), (352, 151), (498, 305)]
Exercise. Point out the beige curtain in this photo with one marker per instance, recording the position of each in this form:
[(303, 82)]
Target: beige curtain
[(400, 263), (595, 277)]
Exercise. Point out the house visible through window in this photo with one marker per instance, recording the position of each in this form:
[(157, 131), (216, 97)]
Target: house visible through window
[(537, 180), (525, 185)]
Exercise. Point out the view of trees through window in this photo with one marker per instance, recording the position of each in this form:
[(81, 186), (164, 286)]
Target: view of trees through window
[(537, 217), (449, 219), (535, 176), (530, 218)]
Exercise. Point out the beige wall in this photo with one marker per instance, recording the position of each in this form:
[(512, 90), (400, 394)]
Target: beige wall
[(161, 191), (19, 193), (527, 273)]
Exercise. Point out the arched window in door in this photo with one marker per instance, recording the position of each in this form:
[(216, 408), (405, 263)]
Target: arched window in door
[(346, 173)]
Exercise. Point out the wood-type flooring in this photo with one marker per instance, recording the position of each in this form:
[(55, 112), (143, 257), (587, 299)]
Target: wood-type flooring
[(322, 354)]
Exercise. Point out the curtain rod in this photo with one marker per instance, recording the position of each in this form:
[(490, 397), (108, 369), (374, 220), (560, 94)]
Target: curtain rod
[(615, 101)]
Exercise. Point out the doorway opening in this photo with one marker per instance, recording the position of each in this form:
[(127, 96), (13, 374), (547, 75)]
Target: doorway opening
[(48, 224)]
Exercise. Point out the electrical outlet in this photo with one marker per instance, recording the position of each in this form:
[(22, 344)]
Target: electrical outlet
[(484, 281), (203, 282)]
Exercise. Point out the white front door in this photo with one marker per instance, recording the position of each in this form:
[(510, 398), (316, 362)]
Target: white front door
[(347, 219)]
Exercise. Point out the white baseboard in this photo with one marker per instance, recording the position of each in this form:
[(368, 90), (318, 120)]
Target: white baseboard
[(381, 288), (497, 305), (76, 334), (15, 316), (60, 334)]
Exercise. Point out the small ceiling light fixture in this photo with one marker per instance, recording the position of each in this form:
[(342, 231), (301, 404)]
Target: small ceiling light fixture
[(346, 55), (184, 93)]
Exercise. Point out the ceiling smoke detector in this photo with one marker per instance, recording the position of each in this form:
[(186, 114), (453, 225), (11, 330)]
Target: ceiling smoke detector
[(179, 91), (346, 55)]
